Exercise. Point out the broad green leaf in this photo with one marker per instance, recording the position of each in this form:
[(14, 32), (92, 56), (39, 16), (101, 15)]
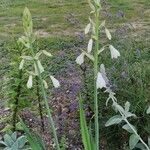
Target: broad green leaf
[(14, 136), (134, 139), (8, 140), (128, 128), (140, 146), (114, 120), (15, 146), (21, 141)]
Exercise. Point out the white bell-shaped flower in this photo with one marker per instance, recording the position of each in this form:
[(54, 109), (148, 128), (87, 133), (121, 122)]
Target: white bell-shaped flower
[(100, 83), (80, 59), (90, 46), (55, 82), (114, 52), (29, 83)]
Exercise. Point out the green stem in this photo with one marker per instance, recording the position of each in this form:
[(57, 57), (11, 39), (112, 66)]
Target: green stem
[(50, 119), (137, 134), (39, 101), (95, 78), (17, 101)]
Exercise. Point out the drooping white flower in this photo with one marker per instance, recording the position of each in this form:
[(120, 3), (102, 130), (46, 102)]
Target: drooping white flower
[(103, 72), (21, 64), (41, 69), (114, 52), (29, 83), (87, 28), (100, 82), (108, 33), (80, 58), (90, 46), (55, 82)]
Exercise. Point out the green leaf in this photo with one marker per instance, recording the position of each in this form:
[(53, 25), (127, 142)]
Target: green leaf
[(134, 139), (114, 120), (14, 136), (127, 127), (35, 142), (149, 141), (21, 141), (8, 140), (140, 146), (15, 146), (84, 128)]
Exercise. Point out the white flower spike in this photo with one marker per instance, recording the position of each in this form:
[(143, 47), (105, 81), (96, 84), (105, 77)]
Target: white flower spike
[(90, 46), (80, 59), (29, 83), (100, 83), (114, 52), (55, 82)]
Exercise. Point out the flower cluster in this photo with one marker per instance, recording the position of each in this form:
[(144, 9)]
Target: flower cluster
[(27, 41)]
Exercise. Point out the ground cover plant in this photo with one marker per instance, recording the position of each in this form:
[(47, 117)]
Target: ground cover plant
[(116, 29)]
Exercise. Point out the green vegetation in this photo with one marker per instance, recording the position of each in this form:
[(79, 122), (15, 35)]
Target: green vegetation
[(59, 27)]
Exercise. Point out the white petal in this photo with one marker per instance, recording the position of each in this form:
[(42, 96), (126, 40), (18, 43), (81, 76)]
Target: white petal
[(100, 83), (55, 82), (108, 34), (90, 46), (45, 84), (21, 64), (103, 72), (87, 28), (47, 53), (114, 52), (80, 59), (29, 83)]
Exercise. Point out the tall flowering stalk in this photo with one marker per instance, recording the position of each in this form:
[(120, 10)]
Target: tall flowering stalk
[(94, 27), (28, 41)]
